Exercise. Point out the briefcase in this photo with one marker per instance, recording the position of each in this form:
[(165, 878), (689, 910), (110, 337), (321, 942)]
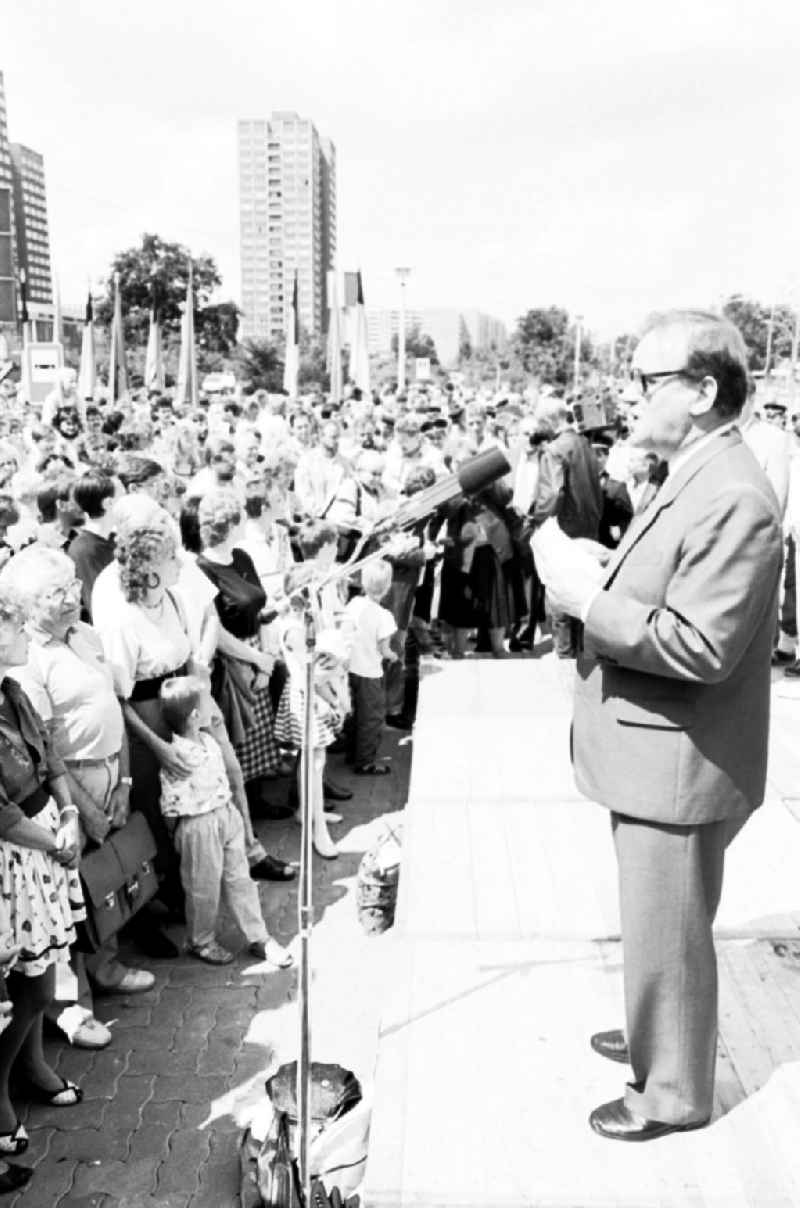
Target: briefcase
[(118, 878)]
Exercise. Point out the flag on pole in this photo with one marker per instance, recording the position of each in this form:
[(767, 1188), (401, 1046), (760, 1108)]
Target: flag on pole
[(291, 364), (117, 372), (58, 325), (154, 359), (187, 361), (359, 351), (26, 339), (350, 289), (334, 353), (87, 374)]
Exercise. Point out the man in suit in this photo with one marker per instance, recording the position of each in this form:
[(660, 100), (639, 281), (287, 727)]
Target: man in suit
[(617, 507), (568, 489), (672, 707)]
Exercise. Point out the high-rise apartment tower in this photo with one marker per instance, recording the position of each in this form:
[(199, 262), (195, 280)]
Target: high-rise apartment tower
[(30, 215), (287, 222)]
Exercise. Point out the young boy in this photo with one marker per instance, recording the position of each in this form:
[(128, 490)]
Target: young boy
[(209, 835), (373, 626)]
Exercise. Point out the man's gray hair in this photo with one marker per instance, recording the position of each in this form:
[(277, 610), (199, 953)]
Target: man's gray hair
[(715, 349)]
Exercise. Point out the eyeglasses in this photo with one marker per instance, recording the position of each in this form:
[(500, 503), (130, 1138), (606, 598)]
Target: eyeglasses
[(643, 380), (71, 591)]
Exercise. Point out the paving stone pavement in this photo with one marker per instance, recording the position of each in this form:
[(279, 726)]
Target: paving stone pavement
[(141, 1138)]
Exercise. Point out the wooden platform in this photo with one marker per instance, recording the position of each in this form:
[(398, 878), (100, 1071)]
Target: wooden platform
[(507, 958)]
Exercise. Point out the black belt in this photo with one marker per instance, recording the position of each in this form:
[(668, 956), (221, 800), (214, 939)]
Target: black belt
[(149, 689), (35, 803)]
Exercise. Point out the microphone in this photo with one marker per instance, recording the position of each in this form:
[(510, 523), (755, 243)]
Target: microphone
[(474, 475)]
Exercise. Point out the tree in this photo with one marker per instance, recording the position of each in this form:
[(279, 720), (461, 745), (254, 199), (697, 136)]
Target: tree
[(545, 344), (158, 272), (260, 365), (418, 344), (752, 319), (312, 372)]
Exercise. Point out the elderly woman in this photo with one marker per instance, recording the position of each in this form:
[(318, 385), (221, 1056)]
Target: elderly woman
[(39, 845), (241, 603), (70, 685), (145, 638)]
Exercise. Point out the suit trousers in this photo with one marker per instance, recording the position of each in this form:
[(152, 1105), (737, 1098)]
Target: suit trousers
[(670, 880)]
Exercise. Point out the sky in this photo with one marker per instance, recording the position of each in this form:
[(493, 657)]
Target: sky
[(608, 156)]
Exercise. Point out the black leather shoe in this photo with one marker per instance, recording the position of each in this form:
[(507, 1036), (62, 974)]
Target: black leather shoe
[(272, 869), (399, 722), (335, 792), (14, 1177), (781, 657), (611, 1045), (153, 942), (793, 670), (616, 1123)]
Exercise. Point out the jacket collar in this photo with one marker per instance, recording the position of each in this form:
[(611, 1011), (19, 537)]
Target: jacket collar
[(667, 496)]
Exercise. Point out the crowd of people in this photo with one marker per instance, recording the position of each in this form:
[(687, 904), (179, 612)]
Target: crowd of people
[(158, 567)]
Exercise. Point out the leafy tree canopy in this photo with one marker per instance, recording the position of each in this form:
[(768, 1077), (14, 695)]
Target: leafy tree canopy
[(156, 273), (418, 344), (752, 319), (260, 365), (544, 342)]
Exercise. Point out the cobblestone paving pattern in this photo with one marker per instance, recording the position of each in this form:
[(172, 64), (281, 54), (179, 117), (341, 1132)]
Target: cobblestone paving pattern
[(141, 1138)]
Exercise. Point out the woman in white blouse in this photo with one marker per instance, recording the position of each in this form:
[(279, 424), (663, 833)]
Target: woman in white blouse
[(145, 639)]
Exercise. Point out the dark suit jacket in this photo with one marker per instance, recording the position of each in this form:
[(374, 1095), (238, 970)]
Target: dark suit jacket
[(569, 486), (617, 510), (673, 685)]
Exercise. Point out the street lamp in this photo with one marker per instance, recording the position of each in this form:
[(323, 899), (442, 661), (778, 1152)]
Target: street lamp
[(402, 276), (578, 336)]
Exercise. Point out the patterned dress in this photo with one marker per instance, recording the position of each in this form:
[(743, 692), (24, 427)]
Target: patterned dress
[(239, 602), (42, 899)]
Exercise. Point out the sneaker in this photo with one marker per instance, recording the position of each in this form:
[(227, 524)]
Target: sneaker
[(212, 953), (92, 1034)]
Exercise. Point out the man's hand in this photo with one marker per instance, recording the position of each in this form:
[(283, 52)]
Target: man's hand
[(120, 806), (601, 553), (95, 823), (571, 575)]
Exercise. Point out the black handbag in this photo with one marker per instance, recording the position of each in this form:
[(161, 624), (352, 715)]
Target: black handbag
[(119, 878)]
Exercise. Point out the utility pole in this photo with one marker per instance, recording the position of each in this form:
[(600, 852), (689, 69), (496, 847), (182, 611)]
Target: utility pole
[(577, 368), (402, 275), (770, 331)]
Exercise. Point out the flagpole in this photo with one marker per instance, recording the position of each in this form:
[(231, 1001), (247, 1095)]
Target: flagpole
[(334, 365)]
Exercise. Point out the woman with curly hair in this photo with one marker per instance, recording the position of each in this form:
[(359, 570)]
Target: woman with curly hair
[(39, 846), (145, 639), (241, 604)]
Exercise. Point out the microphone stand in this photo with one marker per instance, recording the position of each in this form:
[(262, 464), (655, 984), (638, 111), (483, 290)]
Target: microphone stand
[(480, 470), (305, 906)]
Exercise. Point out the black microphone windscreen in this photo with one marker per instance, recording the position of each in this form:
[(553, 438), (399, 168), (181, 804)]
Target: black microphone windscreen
[(482, 470)]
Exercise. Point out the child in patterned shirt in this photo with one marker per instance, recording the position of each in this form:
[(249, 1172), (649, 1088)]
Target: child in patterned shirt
[(209, 834)]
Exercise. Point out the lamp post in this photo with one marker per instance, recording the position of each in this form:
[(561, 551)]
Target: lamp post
[(402, 276), (577, 367)]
